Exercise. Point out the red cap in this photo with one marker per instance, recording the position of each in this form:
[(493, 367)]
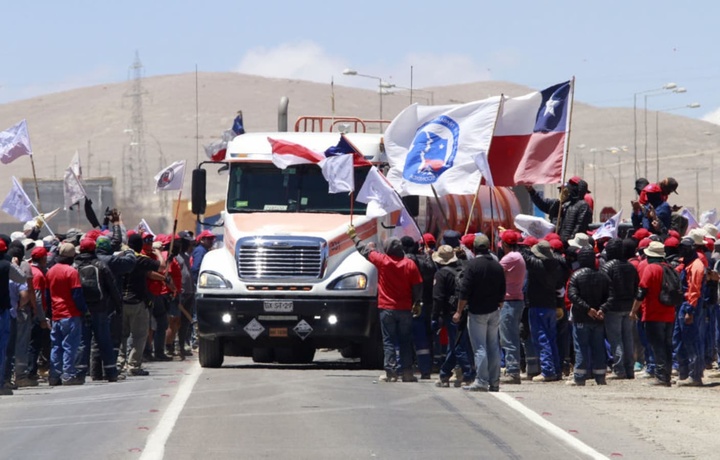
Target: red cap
[(93, 234), (429, 239), (556, 245), (672, 242), (674, 234), (510, 237), (3, 246), (205, 234), (709, 244), (146, 235), (641, 233), (38, 253), (552, 236), (645, 242), (131, 233), (529, 241), (575, 180), (468, 240), (652, 188), (87, 245)]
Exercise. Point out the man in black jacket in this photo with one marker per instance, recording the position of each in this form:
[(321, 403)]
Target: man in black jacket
[(103, 302), (544, 286), (482, 291), (588, 292), (624, 280), (444, 306), (575, 215)]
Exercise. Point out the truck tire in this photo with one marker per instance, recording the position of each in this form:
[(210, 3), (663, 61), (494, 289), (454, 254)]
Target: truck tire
[(300, 354), (263, 355), (371, 352), (351, 351), (210, 353)]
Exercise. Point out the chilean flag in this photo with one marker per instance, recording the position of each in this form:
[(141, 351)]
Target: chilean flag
[(528, 144), (286, 154), (345, 146)]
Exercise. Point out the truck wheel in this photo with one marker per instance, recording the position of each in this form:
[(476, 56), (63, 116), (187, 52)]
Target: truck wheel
[(263, 355), (305, 354), (351, 351), (371, 352), (300, 354), (210, 353)]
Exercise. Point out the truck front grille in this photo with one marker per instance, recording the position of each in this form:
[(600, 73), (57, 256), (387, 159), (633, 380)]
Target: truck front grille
[(281, 257)]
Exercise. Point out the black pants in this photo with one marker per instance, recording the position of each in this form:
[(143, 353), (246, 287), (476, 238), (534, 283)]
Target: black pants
[(659, 336), (39, 353), (10, 351)]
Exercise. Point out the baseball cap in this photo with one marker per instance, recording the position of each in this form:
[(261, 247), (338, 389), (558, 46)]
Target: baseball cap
[(672, 242), (481, 241), (205, 234), (529, 241), (468, 240), (556, 245), (645, 242), (641, 234), (3, 246), (38, 253), (186, 235), (66, 250), (429, 239), (672, 184), (87, 245), (510, 237)]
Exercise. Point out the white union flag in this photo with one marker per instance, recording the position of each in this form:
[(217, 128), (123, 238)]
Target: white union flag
[(17, 203), (171, 178)]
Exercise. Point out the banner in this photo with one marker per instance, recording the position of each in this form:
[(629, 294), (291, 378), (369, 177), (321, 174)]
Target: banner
[(17, 203)]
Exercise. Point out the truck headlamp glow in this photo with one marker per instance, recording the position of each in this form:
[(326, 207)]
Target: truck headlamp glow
[(212, 280), (350, 282)]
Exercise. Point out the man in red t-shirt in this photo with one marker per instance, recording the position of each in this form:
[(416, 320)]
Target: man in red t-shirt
[(68, 308), (399, 290), (657, 318)]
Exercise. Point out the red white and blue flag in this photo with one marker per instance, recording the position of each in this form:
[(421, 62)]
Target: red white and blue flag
[(528, 145)]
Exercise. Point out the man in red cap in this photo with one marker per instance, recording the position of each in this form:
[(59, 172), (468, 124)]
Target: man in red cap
[(429, 240), (511, 312), (205, 240), (655, 215), (40, 335)]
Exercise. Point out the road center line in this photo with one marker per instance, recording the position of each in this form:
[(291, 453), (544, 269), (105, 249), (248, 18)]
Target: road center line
[(155, 445), (551, 428)]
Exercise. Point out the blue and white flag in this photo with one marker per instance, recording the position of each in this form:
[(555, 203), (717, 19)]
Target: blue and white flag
[(143, 227), (17, 203), (609, 228), (339, 172), (434, 147), (692, 221), (709, 217), (14, 143)]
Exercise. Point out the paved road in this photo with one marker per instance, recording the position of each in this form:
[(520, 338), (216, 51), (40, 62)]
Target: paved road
[(330, 409)]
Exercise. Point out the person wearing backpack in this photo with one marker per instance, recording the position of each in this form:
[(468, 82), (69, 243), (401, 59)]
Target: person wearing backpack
[(103, 299), (444, 305), (624, 280), (657, 318), (687, 336)]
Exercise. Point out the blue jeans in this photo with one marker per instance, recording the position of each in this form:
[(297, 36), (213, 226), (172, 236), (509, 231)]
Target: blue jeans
[(543, 330), (4, 339), (82, 358), (690, 344), (619, 331), (101, 349), (589, 339), (65, 337), (396, 327), (484, 331), (422, 344), (648, 350), (456, 355), (510, 316), (710, 335)]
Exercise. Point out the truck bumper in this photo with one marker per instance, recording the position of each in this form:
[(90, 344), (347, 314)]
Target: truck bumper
[(254, 322)]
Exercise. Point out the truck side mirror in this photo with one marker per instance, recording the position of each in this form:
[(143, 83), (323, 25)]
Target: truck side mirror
[(199, 200), (412, 204)]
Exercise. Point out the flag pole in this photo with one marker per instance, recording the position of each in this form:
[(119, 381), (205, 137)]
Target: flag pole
[(43, 219), (566, 147), (477, 192), (175, 224), (442, 210), (352, 206), (37, 189)]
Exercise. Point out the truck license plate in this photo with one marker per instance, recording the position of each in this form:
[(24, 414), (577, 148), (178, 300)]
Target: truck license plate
[(278, 306)]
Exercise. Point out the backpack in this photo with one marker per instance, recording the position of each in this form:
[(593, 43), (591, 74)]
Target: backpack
[(671, 292), (458, 273), (90, 281)]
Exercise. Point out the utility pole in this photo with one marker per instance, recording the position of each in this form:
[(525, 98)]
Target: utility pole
[(135, 165)]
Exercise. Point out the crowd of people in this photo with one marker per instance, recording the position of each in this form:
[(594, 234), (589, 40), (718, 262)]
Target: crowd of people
[(95, 304), (568, 306)]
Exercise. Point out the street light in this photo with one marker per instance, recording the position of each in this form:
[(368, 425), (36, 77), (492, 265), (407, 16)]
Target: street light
[(666, 86), (693, 105), (354, 73), (674, 90), (617, 150)]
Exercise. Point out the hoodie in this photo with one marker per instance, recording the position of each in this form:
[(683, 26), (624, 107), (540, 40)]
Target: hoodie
[(588, 288), (624, 278)]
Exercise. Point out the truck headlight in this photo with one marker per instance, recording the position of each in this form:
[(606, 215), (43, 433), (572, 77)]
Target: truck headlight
[(212, 280), (350, 282)]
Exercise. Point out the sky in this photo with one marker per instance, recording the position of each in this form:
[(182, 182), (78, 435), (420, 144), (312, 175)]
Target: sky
[(615, 49)]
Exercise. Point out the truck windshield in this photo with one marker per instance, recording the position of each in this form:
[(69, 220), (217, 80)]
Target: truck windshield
[(262, 187)]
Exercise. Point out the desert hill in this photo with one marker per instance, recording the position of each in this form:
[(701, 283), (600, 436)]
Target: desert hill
[(95, 121)]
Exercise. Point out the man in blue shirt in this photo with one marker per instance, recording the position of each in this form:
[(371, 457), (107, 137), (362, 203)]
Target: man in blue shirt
[(205, 239)]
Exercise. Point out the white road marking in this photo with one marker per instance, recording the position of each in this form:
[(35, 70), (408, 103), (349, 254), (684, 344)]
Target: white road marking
[(155, 445), (554, 430)]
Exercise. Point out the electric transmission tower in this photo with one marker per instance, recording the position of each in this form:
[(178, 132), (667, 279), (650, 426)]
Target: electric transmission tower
[(135, 180)]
